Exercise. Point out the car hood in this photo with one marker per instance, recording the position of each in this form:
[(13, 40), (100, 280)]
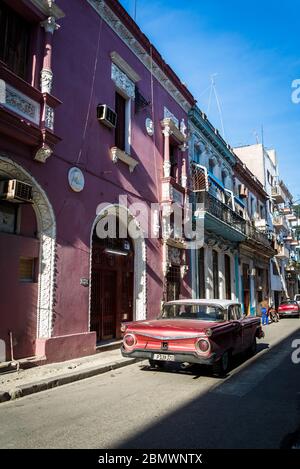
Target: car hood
[(291, 306), (171, 327)]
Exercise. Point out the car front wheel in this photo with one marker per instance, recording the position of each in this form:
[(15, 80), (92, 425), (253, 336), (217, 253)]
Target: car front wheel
[(222, 366)]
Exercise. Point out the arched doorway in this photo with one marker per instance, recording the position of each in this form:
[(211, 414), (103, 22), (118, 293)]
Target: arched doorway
[(28, 307), (112, 285), (118, 276)]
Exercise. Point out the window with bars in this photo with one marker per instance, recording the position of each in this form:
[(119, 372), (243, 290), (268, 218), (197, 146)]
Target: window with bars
[(227, 276), (216, 288), (14, 40), (173, 283), (201, 273)]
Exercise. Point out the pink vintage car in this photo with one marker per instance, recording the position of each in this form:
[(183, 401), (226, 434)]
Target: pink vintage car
[(207, 332)]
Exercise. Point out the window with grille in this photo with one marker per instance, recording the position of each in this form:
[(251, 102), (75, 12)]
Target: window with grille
[(173, 283), (14, 40), (227, 276), (215, 274), (201, 273)]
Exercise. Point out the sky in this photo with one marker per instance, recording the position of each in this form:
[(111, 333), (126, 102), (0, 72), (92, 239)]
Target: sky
[(253, 51)]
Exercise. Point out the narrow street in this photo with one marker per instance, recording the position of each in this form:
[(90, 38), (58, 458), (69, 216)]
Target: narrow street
[(256, 406)]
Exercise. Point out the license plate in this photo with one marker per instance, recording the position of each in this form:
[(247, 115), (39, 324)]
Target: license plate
[(164, 357)]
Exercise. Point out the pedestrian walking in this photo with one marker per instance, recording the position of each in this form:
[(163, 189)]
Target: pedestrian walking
[(264, 313)]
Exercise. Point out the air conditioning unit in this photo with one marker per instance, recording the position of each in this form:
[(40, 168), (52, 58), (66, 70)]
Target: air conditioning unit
[(243, 191), (13, 190), (106, 116)]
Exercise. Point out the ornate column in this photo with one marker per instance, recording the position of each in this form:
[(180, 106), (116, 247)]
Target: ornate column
[(167, 164), (44, 151), (183, 171), (50, 26)]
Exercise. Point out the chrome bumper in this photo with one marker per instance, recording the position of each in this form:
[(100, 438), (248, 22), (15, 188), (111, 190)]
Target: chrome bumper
[(180, 357)]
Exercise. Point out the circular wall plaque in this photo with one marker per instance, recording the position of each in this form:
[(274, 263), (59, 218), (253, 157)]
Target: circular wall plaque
[(149, 126), (76, 179)]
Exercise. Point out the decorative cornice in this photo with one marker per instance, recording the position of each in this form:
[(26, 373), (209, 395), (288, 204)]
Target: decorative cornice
[(204, 126), (125, 67), (135, 46), (122, 81)]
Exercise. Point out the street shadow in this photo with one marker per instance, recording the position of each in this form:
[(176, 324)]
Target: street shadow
[(254, 408)]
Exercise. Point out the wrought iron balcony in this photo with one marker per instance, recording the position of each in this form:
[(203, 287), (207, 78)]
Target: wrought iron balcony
[(258, 236), (221, 218)]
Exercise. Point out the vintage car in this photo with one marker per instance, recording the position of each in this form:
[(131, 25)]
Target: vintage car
[(206, 332), (289, 308), (297, 298)]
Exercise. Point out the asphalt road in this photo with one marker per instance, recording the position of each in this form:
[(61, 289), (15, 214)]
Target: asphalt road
[(256, 406)]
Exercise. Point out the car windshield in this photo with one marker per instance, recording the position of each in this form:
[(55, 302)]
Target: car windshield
[(288, 303), (189, 311)]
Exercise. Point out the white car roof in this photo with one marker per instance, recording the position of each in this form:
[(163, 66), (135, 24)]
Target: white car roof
[(222, 303)]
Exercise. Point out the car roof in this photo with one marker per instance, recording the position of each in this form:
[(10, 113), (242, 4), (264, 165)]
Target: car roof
[(212, 302)]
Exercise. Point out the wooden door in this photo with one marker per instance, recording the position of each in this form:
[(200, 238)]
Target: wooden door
[(103, 305), (111, 291)]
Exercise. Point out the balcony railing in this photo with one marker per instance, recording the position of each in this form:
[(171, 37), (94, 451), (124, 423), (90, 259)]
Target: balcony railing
[(258, 236), (208, 203)]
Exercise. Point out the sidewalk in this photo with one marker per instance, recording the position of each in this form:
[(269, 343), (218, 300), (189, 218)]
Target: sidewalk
[(15, 384)]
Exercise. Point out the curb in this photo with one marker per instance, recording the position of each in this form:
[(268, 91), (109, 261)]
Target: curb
[(60, 380)]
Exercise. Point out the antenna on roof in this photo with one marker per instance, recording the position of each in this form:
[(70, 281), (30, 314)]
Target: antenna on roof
[(262, 134), (256, 136), (213, 90), (134, 14)]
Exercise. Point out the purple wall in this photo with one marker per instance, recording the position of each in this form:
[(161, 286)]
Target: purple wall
[(82, 80)]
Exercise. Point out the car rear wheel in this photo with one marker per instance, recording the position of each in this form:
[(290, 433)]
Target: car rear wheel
[(252, 348), (222, 366), (156, 363)]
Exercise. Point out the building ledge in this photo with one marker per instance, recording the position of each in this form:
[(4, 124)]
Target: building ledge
[(168, 122), (117, 154)]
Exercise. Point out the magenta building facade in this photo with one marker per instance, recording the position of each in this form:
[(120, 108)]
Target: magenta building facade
[(89, 112)]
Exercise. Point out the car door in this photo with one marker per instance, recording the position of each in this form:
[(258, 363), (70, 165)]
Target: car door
[(237, 334), (247, 328)]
